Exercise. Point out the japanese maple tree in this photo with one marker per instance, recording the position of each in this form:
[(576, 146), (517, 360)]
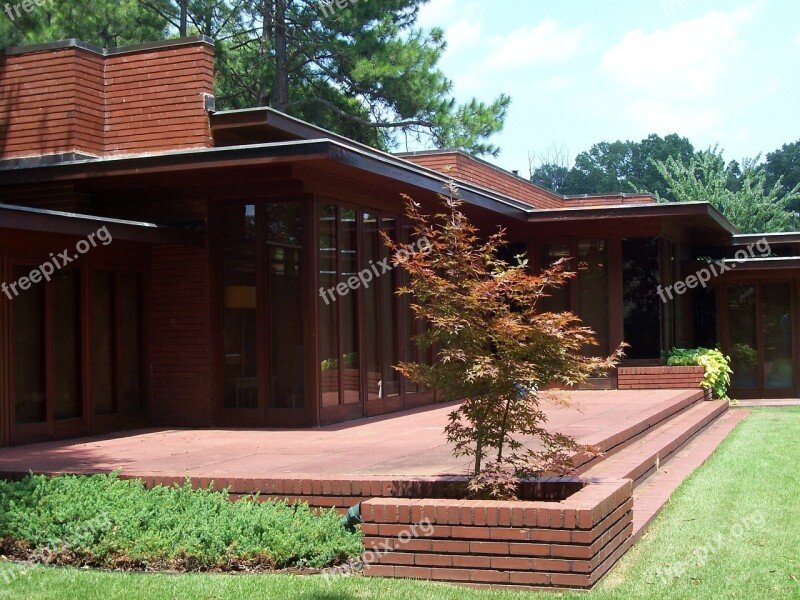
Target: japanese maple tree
[(494, 347)]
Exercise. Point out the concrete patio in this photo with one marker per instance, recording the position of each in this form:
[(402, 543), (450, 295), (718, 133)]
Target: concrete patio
[(409, 444)]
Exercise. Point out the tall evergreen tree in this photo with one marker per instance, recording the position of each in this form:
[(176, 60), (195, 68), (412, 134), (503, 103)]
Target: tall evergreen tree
[(104, 23)]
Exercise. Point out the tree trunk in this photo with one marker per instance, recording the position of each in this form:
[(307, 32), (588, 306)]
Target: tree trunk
[(184, 18), (280, 91), (503, 431), (267, 10)]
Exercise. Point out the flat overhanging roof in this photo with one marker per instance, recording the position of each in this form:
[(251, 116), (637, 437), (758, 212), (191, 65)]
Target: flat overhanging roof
[(356, 156), (745, 239), (23, 218), (760, 263), (262, 154), (682, 210)]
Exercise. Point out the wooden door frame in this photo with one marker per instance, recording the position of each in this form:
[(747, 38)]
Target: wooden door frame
[(723, 308), (262, 416)]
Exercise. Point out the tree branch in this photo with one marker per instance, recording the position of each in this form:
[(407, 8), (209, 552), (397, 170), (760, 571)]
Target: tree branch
[(348, 116)]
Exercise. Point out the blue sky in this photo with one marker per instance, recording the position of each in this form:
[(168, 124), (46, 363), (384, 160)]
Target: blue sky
[(579, 72)]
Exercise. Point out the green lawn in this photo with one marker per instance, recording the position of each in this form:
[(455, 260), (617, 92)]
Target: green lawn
[(731, 531)]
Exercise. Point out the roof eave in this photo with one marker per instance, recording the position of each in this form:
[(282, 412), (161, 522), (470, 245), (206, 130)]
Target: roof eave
[(627, 211), (35, 220)]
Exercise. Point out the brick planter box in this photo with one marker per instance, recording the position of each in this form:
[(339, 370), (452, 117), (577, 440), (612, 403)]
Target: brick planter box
[(570, 543), (660, 378), (566, 533)]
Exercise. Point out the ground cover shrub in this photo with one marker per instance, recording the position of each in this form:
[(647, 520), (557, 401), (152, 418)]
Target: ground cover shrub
[(105, 521)]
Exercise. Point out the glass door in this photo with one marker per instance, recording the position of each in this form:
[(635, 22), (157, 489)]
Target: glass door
[(263, 307), (46, 388), (760, 325)]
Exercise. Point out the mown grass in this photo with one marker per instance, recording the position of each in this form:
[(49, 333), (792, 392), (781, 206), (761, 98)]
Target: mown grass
[(752, 479)]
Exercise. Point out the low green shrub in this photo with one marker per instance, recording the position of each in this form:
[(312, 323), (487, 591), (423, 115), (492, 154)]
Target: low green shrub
[(716, 364), (104, 521)]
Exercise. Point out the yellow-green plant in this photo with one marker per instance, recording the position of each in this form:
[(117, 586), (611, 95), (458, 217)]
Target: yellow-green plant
[(716, 365)]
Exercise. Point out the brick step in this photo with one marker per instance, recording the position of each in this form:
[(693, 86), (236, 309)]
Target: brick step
[(640, 427), (654, 492), (643, 456)]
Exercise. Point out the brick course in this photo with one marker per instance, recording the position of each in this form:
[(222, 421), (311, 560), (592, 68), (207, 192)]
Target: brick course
[(660, 378), (570, 543), (75, 99)]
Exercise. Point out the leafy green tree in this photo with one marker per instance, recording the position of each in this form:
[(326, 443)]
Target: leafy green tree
[(552, 169), (493, 349), (550, 176), (619, 167), (756, 207), (783, 166)]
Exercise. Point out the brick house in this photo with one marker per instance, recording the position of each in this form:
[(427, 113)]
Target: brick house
[(189, 251)]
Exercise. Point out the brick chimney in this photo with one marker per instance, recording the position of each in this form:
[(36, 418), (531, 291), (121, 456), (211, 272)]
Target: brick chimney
[(70, 99)]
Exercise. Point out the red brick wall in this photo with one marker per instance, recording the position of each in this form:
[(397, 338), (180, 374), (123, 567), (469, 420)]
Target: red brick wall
[(180, 323), (474, 171), (611, 200), (462, 166), (51, 102), (659, 378), (73, 99), (154, 99), (571, 543)]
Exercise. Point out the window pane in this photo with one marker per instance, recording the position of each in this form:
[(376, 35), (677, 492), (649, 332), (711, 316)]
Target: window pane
[(349, 306), (65, 336), (130, 327), (285, 284), (390, 378), (776, 306), (329, 327), (593, 291), (239, 306), (373, 328), (642, 305), (409, 322), (558, 299), (102, 367), (743, 336), (27, 352)]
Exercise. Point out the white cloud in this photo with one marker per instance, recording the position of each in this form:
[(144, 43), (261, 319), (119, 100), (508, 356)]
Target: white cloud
[(797, 39), (686, 61), (437, 13), (544, 43), (557, 83), (657, 116), (462, 34)]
